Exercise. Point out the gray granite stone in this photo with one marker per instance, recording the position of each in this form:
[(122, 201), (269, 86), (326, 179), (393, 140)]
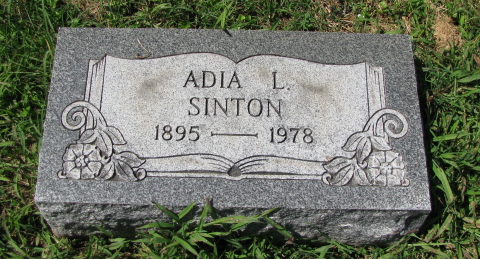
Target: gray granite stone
[(324, 126)]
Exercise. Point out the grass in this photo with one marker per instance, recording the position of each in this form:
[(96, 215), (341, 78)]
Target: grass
[(446, 36)]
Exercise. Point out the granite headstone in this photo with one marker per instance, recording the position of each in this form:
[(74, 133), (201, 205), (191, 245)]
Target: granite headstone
[(324, 126)]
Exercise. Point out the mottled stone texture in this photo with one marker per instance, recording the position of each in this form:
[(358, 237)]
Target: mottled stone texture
[(365, 183)]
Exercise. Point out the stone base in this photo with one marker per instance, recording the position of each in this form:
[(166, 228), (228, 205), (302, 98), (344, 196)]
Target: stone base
[(354, 227)]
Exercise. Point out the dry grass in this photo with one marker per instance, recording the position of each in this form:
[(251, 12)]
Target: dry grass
[(446, 33), (90, 8)]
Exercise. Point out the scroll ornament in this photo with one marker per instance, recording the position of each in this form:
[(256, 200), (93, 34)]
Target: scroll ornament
[(95, 154), (373, 161)]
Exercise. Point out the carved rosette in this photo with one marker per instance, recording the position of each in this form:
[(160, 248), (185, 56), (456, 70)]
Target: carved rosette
[(373, 162), (94, 155)]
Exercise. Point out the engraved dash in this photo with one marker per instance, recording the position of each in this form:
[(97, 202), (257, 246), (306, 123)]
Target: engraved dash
[(234, 134)]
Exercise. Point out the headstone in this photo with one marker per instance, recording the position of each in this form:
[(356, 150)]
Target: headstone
[(324, 126)]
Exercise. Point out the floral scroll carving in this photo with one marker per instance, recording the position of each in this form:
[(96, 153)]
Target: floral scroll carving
[(95, 154), (373, 162)]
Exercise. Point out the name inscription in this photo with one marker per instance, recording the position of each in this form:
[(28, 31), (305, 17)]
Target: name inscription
[(236, 106), (233, 106)]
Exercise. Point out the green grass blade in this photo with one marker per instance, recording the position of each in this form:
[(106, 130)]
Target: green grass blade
[(186, 245), (223, 16), (186, 210), (266, 213), (233, 220), (450, 136), (445, 185), (435, 251), (203, 216), (170, 214), (155, 240), (278, 227), (323, 250), (445, 225), (238, 226), (197, 237), (469, 79), (157, 225), (7, 143), (258, 253), (211, 210), (104, 231), (16, 247), (471, 92)]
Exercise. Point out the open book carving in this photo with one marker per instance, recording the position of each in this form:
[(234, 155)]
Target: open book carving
[(102, 152)]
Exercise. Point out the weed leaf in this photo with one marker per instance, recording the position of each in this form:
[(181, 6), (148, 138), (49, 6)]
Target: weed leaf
[(445, 185), (186, 245), (198, 237), (233, 220), (157, 225), (186, 210), (323, 250), (469, 79), (104, 231), (154, 240), (170, 214), (201, 221), (278, 227)]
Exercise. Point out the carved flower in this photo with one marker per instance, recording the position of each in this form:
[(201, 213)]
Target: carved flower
[(81, 161), (386, 168)]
